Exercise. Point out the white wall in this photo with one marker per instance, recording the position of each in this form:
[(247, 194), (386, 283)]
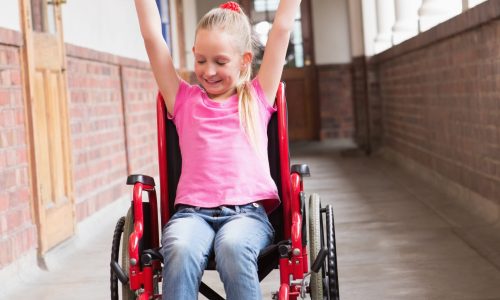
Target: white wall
[(9, 14), (331, 31), (191, 19), (110, 26)]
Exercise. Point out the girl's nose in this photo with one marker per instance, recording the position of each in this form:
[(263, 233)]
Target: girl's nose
[(210, 70)]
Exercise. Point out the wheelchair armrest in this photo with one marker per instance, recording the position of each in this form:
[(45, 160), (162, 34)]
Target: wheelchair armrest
[(302, 169), (144, 179)]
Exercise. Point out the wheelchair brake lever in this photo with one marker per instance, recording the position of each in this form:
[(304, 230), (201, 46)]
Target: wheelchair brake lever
[(119, 272), (320, 259), (316, 266)]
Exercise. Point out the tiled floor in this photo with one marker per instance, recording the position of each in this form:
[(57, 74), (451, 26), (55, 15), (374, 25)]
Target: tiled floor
[(397, 238)]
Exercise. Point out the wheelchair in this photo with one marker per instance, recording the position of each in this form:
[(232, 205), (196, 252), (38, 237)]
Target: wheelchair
[(304, 244)]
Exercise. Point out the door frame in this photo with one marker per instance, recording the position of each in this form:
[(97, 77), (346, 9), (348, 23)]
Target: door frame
[(28, 73)]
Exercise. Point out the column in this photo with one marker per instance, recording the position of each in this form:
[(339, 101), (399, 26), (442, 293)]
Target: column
[(369, 22), (465, 5), (385, 20), (406, 25), (355, 13), (433, 12)]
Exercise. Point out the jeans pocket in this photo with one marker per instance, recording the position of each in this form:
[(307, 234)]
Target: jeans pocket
[(254, 207)]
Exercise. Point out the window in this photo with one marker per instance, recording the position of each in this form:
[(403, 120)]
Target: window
[(262, 17), (43, 16)]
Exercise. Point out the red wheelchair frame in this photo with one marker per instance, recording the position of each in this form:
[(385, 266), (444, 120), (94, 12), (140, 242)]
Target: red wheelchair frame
[(140, 273)]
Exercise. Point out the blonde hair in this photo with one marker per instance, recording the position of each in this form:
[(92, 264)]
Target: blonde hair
[(236, 23)]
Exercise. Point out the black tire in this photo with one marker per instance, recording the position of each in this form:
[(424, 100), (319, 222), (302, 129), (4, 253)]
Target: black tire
[(315, 244), (128, 228), (332, 272), (115, 249)]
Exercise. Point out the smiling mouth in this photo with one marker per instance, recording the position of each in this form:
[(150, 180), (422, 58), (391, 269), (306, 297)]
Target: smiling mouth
[(212, 81)]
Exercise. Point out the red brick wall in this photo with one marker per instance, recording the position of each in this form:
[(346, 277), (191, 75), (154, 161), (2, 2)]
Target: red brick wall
[(441, 100), (17, 232), (335, 96), (112, 113), (140, 92), (113, 125), (97, 134)]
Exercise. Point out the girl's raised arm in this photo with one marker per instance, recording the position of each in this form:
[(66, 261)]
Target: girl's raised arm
[(158, 52), (277, 43)]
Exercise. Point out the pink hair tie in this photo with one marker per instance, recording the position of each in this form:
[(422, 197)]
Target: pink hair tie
[(231, 6)]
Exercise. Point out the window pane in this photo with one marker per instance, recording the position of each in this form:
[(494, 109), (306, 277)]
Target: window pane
[(263, 15), (262, 31), (265, 5), (299, 55), (43, 16), (298, 44), (36, 15), (51, 19), (297, 32)]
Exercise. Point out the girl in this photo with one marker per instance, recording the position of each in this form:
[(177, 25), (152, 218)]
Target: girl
[(225, 190)]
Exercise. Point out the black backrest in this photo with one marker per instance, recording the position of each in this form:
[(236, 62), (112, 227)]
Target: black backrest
[(174, 161)]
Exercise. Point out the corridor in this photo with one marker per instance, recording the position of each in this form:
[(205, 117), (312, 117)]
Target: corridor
[(397, 238)]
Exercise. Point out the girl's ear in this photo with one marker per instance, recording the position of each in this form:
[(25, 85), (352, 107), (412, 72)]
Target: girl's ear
[(192, 49), (247, 59)]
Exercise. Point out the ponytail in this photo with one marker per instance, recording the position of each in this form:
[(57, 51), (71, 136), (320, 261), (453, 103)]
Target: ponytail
[(248, 109)]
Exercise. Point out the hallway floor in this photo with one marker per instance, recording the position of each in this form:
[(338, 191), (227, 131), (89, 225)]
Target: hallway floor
[(397, 238)]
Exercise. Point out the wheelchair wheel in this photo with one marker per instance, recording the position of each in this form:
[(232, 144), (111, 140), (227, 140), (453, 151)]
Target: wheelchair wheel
[(115, 248), (332, 273), (315, 244), (323, 285), (128, 228)]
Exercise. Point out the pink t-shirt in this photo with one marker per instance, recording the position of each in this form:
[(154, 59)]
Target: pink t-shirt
[(219, 165)]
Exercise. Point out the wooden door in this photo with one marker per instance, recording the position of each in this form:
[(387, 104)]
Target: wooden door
[(303, 118), (47, 110), (299, 73)]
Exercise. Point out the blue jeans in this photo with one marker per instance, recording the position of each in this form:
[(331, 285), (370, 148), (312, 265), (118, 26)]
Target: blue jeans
[(236, 234)]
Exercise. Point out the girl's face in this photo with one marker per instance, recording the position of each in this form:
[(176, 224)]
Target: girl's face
[(218, 63)]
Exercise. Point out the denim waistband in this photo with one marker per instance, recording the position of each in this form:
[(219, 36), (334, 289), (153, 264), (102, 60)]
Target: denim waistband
[(236, 208)]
